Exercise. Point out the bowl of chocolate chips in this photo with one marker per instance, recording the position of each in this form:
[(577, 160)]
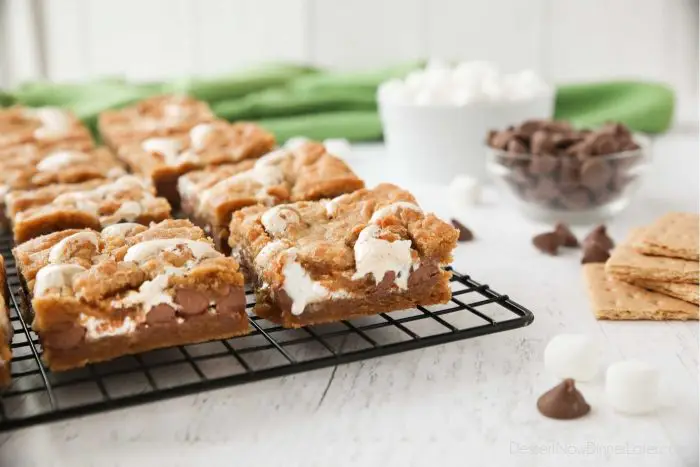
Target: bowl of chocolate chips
[(553, 171)]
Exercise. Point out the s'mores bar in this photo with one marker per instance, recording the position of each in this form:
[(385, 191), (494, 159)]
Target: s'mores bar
[(164, 159), (156, 116), (40, 126), (33, 168), (363, 253), (209, 197), (57, 207), (128, 289), (5, 329)]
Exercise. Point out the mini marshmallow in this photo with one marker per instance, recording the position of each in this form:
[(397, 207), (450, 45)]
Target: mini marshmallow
[(632, 387), (572, 356), (294, 142), (338, 147), (439, 84), (465, 190)]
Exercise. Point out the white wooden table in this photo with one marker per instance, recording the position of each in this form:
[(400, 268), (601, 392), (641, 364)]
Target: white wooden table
[(459, 404)]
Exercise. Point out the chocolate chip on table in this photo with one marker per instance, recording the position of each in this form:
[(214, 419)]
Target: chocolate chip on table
[(548, 243), (566, 236), (465, 235), (594, 253), (563, 402), (599, 236)]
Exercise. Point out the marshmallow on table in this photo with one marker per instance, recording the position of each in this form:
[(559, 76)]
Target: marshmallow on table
[(465, 190), (632, 387), (573, 356), (338, 147)]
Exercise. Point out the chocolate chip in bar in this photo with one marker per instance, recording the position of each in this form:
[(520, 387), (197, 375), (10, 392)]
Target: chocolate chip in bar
[(548, 243), (566, 236), (465, 235), (563, 402), (599, 236), (594, 253)]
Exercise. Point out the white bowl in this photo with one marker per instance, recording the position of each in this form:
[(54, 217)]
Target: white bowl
[(433, 143)]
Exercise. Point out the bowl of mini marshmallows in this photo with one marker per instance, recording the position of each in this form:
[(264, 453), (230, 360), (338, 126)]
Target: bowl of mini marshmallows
[(435, 118)]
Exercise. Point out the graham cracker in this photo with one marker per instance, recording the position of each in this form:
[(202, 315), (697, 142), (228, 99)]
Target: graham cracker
[(686, 292), (674, 235), (617, 300), (628, 264)]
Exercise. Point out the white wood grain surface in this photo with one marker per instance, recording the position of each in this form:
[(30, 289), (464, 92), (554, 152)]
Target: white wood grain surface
[(464, 403)]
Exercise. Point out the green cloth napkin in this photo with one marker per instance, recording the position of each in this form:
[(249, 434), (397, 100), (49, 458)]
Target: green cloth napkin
[(293, 100)]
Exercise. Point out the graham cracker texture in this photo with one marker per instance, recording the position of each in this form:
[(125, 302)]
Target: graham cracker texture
[(674, 235), (686, 292), (614, 299), (627, 264)]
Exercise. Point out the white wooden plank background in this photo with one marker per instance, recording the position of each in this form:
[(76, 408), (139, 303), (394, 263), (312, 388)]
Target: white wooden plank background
[(566, 40)]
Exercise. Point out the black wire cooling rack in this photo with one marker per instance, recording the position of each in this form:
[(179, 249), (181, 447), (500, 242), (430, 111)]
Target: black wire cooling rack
[(37, 396)]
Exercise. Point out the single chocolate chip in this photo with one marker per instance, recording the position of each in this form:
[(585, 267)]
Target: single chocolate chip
[(542, 164), (548, 243), (604, 144), (529, 127), (233, 301), (516, 146), (465, 235), (64, 338), (576, 199), (161, 313), (191, 301), (501, 139), (566, 236), (563, 402), (596, 173), (599, 236), (544, 190), (594, 253), (541, 142), (387, 282)]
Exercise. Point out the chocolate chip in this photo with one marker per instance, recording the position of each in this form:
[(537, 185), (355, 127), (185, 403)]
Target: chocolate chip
[(501, 139), (543, 164), (161, 313), (516, 146), (232, 301), (541, 142), (563, 402), (191, 301), (544, 190), (596, 173), (548, 243), (594, 253), (465, 235), (599, 236), (566, 236), (64, 338), (576, 199)]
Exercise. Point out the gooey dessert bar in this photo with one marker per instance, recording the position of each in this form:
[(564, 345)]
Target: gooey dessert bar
[(41, 126), (58, 207), (155, 116), (163, 159), (309, 172), (367, 252), (129, 289), (5, 330)]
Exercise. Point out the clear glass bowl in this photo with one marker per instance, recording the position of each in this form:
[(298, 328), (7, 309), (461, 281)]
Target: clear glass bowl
[(568, 188)]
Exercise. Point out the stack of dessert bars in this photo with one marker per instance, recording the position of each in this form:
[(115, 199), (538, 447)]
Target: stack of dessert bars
[(110, 272)]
